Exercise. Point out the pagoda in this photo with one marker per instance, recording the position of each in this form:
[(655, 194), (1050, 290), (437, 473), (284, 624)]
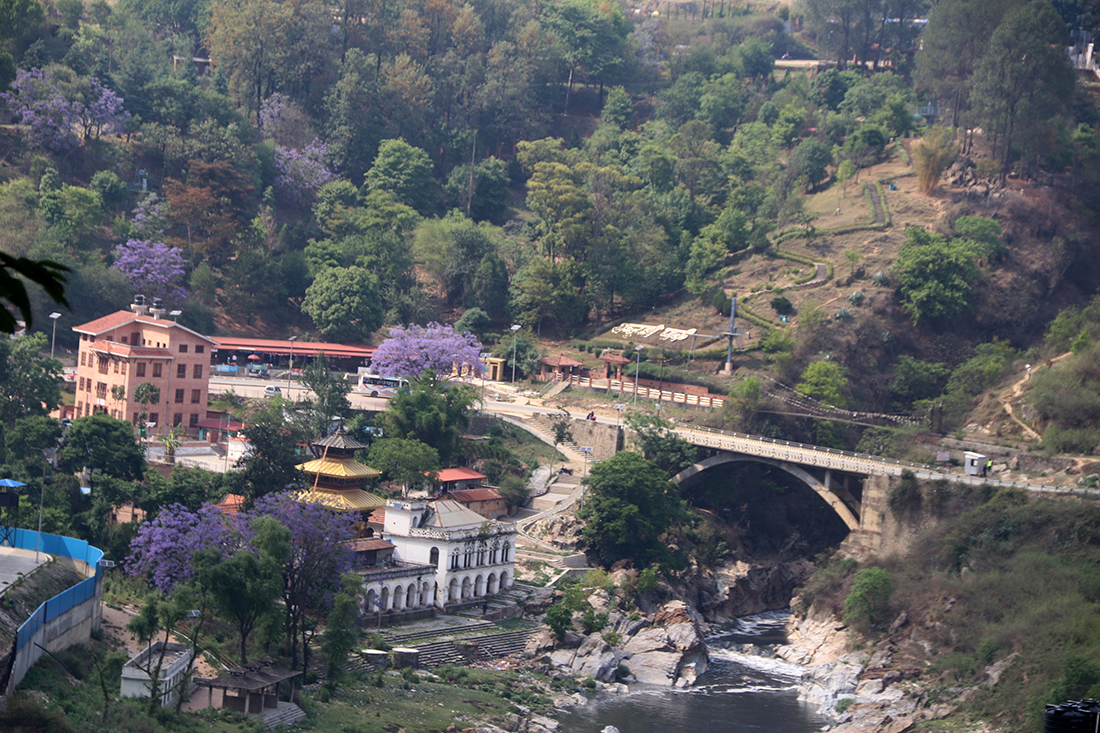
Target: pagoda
[(337, 479)]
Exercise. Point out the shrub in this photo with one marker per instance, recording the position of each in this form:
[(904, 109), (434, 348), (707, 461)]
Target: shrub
[(782, 305), (856, 298), (905, 498), (869, 601), (843, 704), (559, 619), (844, 314), (880, 279)]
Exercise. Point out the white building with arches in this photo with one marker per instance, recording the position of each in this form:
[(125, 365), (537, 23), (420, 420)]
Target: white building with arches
[(444, 555)]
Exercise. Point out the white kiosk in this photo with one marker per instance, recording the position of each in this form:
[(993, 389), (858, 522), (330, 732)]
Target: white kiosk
[(974, 464)]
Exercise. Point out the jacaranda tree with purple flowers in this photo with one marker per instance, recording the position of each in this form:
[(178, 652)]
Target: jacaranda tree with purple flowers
[(411, 350), (153, 268), (302, 172), (163, 549), (53, 110), (311, 576)]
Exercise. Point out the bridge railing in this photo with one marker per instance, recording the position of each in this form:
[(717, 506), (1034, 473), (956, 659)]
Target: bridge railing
[(917, 468)]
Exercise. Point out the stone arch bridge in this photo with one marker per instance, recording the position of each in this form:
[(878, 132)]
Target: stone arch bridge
[(853, 484)]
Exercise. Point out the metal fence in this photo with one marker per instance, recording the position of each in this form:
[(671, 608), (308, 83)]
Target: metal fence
[(65, 601)]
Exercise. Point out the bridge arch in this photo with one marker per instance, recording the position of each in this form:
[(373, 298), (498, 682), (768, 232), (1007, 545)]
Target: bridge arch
[(690, 475)]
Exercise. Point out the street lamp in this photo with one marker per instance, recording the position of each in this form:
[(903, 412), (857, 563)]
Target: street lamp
[(618, 407), (290, 370), (41, 497), (53, 339), (515, 330), (637, 372)]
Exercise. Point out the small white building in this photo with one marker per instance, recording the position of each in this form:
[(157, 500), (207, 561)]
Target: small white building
[(974, 463), (444, 555), (138, 672)]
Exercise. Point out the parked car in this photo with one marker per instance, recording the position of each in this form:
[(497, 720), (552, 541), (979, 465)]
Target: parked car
[(272, 391)]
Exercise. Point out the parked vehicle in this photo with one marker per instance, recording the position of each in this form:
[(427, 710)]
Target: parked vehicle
[(272, 391)]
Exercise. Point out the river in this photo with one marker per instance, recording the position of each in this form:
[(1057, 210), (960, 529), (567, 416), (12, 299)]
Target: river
[(744, 690)]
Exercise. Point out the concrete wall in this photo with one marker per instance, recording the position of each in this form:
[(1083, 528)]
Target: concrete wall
[(73, 627)]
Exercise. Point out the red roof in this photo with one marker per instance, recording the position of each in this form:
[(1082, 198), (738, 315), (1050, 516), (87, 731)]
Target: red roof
[(482, 494), (460, 474), (614, 359), (230, 504), (121, 318), (370, 543), (277, 347), (377, 516), (561, 360)]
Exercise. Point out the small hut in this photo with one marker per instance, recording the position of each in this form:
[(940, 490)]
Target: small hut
[(252, 688), (559, 367)]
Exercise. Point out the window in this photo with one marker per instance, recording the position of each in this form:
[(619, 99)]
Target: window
[(80, 385), (179, 396), (200, 348), (101, 390), (124, 339), (141, 369), (181, 371), (158, 368), (183, 348), (198, 371), (80, 409), (154, 417), (116, 367), (135, 338), (136, 416), (102, 365), (433, 557), (195, 395), (177, 419), (193, 420), (124, 368), (82, 355)]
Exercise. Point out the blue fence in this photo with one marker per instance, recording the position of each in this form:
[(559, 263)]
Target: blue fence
[(53, 544)]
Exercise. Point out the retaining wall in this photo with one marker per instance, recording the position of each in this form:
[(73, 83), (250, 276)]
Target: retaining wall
[(69, 617)]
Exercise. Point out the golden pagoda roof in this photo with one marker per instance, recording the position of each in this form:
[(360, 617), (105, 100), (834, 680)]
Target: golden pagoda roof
[(338, 468), (344, 500)]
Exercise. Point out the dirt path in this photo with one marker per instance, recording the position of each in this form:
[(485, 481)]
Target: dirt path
[(1016, 390)]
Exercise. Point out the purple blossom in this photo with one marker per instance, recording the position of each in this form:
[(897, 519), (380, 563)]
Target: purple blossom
[(51, 121), (302, 173), (271, 112), (163, 548), (153, 268), (645, 35), (409, 351), (149, 219)]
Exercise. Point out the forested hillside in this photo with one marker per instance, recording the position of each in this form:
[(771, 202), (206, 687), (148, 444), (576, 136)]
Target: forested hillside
[(560, 166)]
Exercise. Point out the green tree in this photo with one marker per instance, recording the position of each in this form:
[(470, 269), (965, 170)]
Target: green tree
[(158, 614), (406, 460), (618, 110), (825, 382), (935, 275), (562, 430), (28, 382), (868, 603), (590, 36), (272, 464), (629, 506), (932, 155), (247, 584), (330, 395), (659, 443), (145, 394), (812, 158), (340, 630), (345, 303), (955, 38), (431, 412), (100, 442), (489, 286), (1023, 79), (404, 171), (560, 620)]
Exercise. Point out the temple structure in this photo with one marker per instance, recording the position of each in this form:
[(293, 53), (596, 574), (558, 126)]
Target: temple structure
[(336, 479)]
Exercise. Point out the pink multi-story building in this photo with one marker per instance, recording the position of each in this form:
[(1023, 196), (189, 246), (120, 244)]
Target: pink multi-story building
[(120, 351)]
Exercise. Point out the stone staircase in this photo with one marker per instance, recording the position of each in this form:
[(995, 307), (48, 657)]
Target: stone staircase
[(559, 490), (406, 639), (492, 646), (287, 713)]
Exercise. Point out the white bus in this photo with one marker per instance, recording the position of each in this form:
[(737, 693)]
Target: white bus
[(377, 386)]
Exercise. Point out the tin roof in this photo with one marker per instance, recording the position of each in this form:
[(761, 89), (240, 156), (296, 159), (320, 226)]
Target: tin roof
[(344, 500), (338, 468)]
